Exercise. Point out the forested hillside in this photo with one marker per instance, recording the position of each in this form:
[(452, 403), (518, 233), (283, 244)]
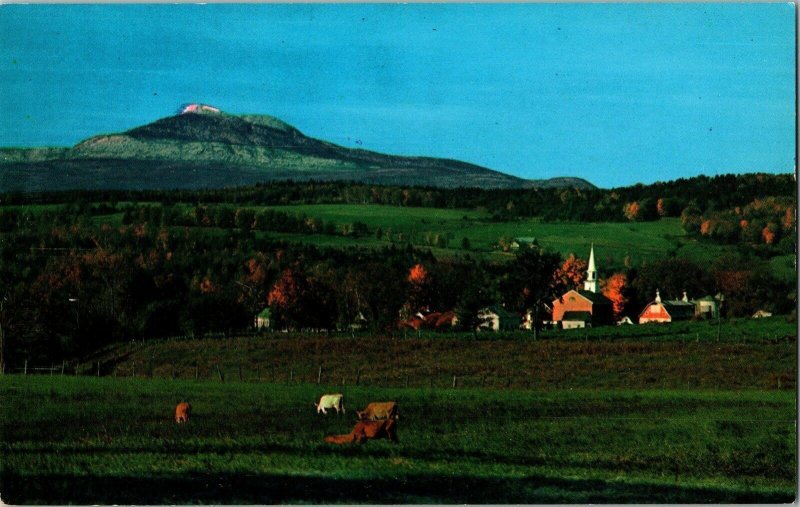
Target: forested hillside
[(79, 270)]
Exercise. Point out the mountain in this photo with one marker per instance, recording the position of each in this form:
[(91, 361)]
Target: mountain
[(206, 148)]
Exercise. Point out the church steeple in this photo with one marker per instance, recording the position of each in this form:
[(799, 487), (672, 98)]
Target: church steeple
[(591, 274)]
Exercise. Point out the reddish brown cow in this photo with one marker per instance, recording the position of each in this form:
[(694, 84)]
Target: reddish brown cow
[(182, 412), (379, 410), (367, 430)]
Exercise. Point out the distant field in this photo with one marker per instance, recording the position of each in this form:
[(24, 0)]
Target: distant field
[(86, 440), (613, 241)]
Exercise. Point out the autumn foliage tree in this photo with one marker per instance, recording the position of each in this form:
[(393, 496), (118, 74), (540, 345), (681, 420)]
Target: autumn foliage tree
[(570, 274), (299, 301), (631, 210), (614, 288), (286, 298), (418, 292)]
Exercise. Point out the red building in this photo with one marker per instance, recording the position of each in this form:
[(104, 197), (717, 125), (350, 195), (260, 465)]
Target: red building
[(571, 309), (668, 310)]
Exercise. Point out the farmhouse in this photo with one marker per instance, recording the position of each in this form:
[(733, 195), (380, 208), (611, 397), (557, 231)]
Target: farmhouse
[(706, 307), (582, 308), (262, 319), (667, 310), (497, 318)]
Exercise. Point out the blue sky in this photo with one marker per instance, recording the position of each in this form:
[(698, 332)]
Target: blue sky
[(614, 93)]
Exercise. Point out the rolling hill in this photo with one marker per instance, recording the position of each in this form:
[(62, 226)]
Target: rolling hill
[(215, 149)]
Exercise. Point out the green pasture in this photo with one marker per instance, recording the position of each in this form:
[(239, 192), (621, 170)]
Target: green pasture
[(87, 440), (613, 241)]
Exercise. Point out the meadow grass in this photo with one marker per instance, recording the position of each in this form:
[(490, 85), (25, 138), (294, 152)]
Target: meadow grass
[(613, 240), (88, 440)]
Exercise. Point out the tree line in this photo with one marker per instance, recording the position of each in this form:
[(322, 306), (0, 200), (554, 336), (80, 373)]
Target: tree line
[(636, 202)]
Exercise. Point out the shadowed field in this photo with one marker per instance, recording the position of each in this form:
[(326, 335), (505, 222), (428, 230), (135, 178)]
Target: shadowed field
[(751, 354)]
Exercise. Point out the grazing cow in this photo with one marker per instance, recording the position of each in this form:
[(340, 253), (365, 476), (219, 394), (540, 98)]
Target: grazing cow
[(367, 430), (378, 410), (330, 401), (182, 412)]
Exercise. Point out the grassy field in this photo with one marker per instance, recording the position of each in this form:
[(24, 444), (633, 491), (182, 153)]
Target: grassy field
[(87, 440), (613, 240)]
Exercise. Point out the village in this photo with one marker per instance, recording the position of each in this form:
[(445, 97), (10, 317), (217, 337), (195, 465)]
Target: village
[(574, 309)]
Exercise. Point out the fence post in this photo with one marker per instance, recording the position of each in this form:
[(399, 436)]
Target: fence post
[(319, 375), (98, 368), (51, 369), (133, 370), (454, 381), (219, 372), (196, 372), (358, 375), (25, 370), (62, 368)]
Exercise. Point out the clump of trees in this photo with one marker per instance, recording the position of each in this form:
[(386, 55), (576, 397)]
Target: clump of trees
[(767, 225)]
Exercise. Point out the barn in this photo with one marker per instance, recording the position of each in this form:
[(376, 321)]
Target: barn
[(667, 310)]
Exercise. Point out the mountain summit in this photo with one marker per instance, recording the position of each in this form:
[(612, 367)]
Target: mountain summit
[(203, 147)]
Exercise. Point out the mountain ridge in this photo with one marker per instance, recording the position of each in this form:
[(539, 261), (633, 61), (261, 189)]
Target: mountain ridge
[(197, 149)]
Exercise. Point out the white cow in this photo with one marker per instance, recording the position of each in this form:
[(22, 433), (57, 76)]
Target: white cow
[(330, 401)]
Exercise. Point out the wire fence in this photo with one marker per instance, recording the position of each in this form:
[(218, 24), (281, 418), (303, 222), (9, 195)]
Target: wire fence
[(362, 376)]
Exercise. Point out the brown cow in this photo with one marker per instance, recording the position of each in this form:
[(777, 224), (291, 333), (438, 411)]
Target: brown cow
[(378, 410), (182, 412), (367, 430)]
